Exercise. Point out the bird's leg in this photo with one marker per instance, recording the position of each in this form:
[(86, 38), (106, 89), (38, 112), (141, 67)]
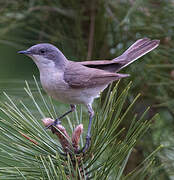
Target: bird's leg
[(88, 136), (73, 107), (57, 121)]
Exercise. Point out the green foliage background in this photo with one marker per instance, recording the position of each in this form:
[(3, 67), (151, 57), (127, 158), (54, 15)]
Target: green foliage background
[(99, 29)]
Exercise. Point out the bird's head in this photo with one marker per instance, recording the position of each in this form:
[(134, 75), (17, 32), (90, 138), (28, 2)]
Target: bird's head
[(45, 55)]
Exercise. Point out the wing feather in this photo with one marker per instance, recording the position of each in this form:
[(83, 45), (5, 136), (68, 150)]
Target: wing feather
[(79, 76)]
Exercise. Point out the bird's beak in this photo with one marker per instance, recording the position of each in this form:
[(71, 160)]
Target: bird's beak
[(24, 52)]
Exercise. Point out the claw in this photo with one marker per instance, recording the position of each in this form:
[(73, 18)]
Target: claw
[(87, 144), (86, 147)]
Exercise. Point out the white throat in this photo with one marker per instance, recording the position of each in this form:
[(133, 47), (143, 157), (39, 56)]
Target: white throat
[(43, 63)]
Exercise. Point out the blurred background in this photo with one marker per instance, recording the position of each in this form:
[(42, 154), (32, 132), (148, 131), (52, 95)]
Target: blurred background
[(99, 29)]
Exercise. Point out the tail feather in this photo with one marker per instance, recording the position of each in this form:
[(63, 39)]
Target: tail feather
[(122, 75), (137, 50)]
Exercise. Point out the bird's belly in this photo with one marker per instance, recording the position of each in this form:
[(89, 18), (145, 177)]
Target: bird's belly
[(74, 96), (57, 88)]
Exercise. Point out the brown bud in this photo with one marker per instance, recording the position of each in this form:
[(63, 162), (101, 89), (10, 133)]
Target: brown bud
[(63, 136), (47, 121), (60, 131), (76, 136)]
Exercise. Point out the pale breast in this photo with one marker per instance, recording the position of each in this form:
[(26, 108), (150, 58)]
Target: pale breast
[(56, 87)]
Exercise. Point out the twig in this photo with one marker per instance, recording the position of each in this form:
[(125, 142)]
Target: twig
[(66, 142), (91, 30)]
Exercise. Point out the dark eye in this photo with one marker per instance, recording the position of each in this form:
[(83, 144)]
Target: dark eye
[(42, 51)]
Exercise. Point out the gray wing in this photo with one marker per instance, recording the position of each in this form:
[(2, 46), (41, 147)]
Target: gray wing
[(79, 76)]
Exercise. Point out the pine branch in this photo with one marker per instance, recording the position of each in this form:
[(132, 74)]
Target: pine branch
[(30, 152)]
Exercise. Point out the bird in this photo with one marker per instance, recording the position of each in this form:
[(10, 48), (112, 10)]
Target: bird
[(81, 82)]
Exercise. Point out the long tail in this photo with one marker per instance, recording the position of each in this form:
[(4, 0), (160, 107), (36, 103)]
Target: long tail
[(137, 50)]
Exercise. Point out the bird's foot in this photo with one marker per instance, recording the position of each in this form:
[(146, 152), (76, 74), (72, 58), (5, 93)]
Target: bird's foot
[(55, 123), (86, 146)]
